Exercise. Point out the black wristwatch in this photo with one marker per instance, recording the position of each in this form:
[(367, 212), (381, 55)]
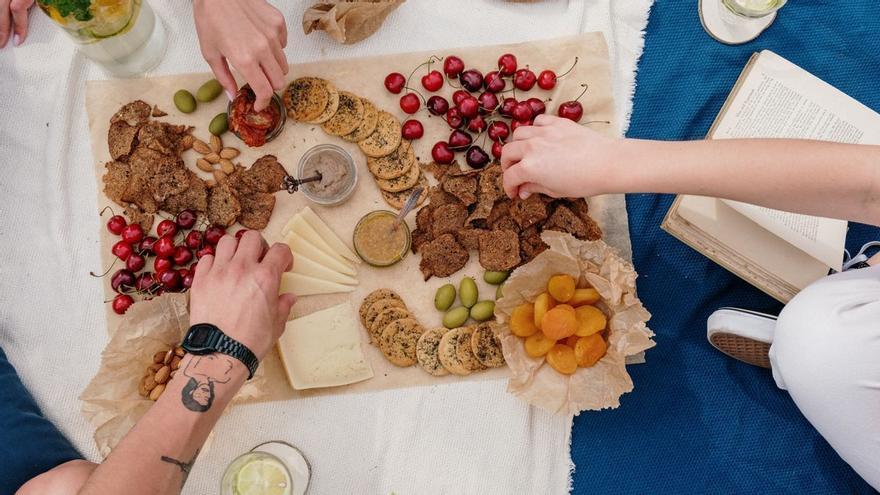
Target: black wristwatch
[(204, 338)]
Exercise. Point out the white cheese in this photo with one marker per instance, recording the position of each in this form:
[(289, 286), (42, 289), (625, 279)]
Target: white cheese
[(303, 285), (328, 235), (305, 266), (323, 349), (301, 246), (300, 227)]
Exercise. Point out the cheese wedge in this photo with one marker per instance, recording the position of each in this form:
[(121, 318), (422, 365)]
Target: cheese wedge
[(305, 266), (301, 246), (303, 285), (323, 349), (328, 235), (300, 227)]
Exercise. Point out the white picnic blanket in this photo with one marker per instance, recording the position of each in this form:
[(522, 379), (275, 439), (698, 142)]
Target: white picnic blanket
[(468, 438)]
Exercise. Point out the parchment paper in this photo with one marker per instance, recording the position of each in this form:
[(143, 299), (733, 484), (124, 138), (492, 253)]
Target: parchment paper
[(596, 387), (364, 76)]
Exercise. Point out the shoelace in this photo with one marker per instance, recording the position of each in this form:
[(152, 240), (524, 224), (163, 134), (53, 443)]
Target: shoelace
[(852, 261)]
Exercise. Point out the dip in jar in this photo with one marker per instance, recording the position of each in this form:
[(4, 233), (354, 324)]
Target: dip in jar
[(378, 242), (338, 174)]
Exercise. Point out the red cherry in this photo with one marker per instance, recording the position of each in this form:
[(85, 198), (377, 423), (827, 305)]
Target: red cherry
[(116, 224), (453, 66), (524, 79), (537, 105), (496, 149), (205, 251), (507, 64), (454, 118), (494, 82), (476, 124), (182, 272), (240, 233), (522, 111), (459, 139), (488, 102), (498, 131), (162, 265), (476, 157), (187, 280), (132, 233), (169, 279), (519, 123), (410, 103), (145, 282), (395, 82), (121, 250), (164, 246), (122, 280), (135, 262), (121, 303), (166, 227), (459, 95), (506, 108), (182, 256), (441, 153), (547, 79), (213, 234), (572, 110), (471, 80), (146, 244), (186, 219), (193, 239), (432, 81), (437, 105), (412, 129), (469, 107)]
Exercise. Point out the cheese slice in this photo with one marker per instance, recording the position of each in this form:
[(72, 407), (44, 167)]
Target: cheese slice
[(300, 227), (323, 349), (305, 266), (303, 285), (328, 235), (301, 246)]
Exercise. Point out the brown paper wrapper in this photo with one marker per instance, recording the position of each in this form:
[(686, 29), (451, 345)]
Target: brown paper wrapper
[(111, 402), (600, 386), (348, 21)]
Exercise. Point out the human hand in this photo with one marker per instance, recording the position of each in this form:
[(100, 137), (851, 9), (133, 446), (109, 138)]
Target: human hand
[(237, 291), (250, 35), (14, 20), (559, 158)]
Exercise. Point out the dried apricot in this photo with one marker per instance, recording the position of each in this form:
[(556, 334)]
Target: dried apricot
[(538, 344), (562, 359), (584, 296), (565, 307), (589, 350), (559, 323), (522, 320), (570, 341), (543, 303), (561, 287), (590, 320)]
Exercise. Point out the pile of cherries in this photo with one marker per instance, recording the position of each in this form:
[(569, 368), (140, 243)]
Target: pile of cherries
[(174, 254), (479, 105)]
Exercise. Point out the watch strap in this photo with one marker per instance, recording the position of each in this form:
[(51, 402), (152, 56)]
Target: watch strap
[(218, 341)]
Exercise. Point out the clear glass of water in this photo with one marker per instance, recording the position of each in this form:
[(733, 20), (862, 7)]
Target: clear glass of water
[(271, 468), (753, 8), (124, 36)]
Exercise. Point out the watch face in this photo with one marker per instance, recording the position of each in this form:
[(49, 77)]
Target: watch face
[(198, 336)]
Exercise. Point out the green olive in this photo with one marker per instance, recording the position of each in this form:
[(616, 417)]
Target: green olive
[(184, 101), (483, 310), (209, 91), (495, 278), (455, 317), (219, 124), (467, 292), (499, 293), (444, 297)]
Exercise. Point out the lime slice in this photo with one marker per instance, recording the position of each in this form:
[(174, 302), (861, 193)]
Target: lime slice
[(110, 20), (262, 476)]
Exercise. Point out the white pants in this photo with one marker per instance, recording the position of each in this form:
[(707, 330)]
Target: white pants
[(826, 353)]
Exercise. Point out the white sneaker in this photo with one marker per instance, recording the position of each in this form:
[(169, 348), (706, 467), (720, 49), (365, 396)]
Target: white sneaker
[(742, 334)]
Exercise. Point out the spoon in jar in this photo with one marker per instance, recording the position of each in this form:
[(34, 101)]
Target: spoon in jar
[(292, 184), (411, 202)]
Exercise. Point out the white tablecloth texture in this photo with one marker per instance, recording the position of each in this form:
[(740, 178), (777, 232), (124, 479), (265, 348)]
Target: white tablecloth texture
[(467, 438)]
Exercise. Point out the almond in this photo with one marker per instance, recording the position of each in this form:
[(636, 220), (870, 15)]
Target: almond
[(210, 183), (163, 374), (158, 357), (149, 383), (201, 147), (155, 366), (142, 390), (157, 392), (219, 176), (229, 153), (186, 142), (204, 165), (213, 157), (175, 363), (226, 166), (179, 351), (216, 144), (168, 356)]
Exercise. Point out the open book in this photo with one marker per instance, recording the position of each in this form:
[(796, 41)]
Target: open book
[(776, 251)]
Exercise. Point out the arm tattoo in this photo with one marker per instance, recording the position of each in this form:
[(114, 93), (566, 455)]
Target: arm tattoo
[(204, 372), (185, 467)]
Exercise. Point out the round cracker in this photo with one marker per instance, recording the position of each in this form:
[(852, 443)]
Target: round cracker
[(428, 351), (406, 181), (450, 351), (379, 306), (385, 139), (398, 341), (367, 124), (306, 98), (398, 199), (373, 297), (332, 105), (394, 165), (348, 116), (486, 345), (385, 317)]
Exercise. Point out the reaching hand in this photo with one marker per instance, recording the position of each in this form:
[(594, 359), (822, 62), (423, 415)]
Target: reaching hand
[(237, 290), (248, 34), (559, 158), (14, 20)]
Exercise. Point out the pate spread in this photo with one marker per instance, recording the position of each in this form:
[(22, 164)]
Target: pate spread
[(377, 240), (336, 173)]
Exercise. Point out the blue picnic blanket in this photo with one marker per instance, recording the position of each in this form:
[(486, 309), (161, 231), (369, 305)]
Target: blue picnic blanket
[(699, 422)]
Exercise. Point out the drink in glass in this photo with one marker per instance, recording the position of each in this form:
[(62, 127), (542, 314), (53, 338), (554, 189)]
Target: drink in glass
[(753, 8), (272, 468)]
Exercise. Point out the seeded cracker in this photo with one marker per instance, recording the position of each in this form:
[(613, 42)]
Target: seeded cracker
[(428, 352), (385, 139), (306, 98), (486, 345), (379, 306), (348, 116), (332, 105), (398, 341), (398, 199), (453, 351), (406, 181), (373, 297), (396, 164), (385, 318), (367, 124)]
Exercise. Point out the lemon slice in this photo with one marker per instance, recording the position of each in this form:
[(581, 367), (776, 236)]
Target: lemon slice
[(112, 18), (262, 476)]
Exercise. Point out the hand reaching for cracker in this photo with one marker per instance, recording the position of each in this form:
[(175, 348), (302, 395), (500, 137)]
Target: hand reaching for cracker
[(249, 35)]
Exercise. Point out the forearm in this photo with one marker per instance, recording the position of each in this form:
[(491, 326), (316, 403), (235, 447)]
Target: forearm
[(812, 177), (156, 455)]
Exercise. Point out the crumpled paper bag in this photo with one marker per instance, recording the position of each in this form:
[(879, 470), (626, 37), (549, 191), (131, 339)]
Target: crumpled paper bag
[(111, 402), (600, 386), (348, 21)]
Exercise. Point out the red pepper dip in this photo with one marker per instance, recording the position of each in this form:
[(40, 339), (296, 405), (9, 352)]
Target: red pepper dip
[(251, 126)]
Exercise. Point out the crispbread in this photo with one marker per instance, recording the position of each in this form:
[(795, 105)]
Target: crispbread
[(121, 139), (385, 139), (223, 206), (406, 181), (332, 105), (428, 350), (373, 297), (256, 209), (397, 199), (348, 116), (398, 341), (451, 351), (486, 346), (367, 124), (306, 98), (383, 319), (379, 306), (394, 165)]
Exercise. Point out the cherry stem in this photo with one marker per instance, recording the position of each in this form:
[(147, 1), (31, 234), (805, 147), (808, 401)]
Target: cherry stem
[(417, 93), (108, 207), (115, 259), (586, 87), (569, 69), (596, 122), (428, 63)]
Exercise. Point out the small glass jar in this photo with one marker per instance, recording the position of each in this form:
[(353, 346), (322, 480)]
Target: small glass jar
[(275, 101), (378, 242), (343, 164)]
